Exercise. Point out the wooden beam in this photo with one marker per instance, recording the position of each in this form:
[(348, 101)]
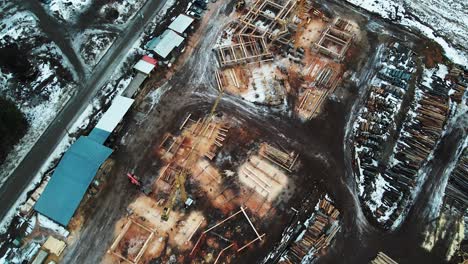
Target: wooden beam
[(251, 224), (222, 251), (251, 242), (220, 223)]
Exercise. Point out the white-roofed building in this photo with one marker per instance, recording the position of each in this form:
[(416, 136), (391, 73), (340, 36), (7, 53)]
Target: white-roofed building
[(181, 23), (166, 43), (145, 65), (115, 113)]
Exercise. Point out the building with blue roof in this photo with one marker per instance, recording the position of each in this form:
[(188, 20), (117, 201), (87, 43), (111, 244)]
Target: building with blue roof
[(71, 179), (78, 166)]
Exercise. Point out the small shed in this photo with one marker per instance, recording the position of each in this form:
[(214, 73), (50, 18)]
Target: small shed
[(54, 246), (165, 43), (181, 23), (145, 65)]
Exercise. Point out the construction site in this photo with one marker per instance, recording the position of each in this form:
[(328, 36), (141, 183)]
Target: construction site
[(275, 131), (201, 208), (286, 54)]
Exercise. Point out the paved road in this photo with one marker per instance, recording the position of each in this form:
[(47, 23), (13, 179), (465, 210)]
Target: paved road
[(30, 165)]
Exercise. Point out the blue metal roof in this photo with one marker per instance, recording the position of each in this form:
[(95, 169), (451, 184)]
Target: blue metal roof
[(99, 135), (71, 179)]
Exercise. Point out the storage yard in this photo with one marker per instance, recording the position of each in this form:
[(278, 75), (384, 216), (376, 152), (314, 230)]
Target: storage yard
[(262, 131)]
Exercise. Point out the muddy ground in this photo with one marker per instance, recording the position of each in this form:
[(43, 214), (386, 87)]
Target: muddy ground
[(322, 143)]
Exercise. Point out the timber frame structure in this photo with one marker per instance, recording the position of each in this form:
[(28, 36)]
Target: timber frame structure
[(265, 22), (233, 246), (119, 238), (335, 40)]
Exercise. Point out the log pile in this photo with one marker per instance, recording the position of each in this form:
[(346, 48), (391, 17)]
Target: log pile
[(317, 237), (376, 124), (281, 158), (456, 193), (459, 78), (382, 258), (421, 132)]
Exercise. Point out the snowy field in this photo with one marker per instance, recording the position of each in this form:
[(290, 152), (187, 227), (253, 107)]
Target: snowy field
[(92, 45), (121, 11), (116, 12), (39, 81), (67, 10), (446, 22)]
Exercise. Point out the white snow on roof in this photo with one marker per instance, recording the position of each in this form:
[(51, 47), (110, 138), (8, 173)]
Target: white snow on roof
[(181, 23), (115, 113), (168, 42), (144, 67)]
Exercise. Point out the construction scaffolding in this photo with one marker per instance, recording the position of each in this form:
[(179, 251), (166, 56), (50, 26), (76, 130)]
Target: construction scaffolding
[(245, 49)]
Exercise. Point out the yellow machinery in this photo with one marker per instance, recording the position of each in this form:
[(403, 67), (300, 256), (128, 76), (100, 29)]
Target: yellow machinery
[(179, 187), (182, 175)]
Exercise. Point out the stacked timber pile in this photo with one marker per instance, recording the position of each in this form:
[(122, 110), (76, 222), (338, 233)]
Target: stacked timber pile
[(456, 193), (421, 132), (382, 258), (459, 78), (398, 65), (285, 160), (317, 237), (376, 126)]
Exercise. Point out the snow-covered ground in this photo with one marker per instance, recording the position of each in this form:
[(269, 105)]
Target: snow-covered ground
[(92, 45), (40, 86), (121, 11), (67, 10), (446, 22)]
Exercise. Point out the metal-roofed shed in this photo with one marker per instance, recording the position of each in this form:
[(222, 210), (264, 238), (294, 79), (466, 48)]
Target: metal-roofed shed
[(181, 23), (111, 119), (166, 43), (71, 179), (145, 65)]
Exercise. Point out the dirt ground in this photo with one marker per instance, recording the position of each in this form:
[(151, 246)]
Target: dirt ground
[(324, 164)]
